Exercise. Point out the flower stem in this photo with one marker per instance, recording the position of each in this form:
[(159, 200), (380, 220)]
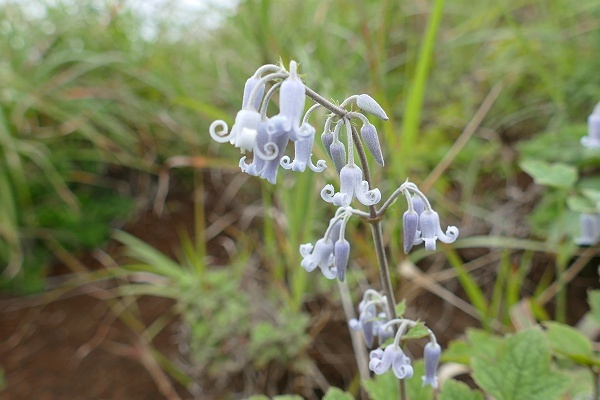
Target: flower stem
[(374, 220)]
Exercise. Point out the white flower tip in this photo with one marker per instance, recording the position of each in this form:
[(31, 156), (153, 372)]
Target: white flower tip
[(368, 104)]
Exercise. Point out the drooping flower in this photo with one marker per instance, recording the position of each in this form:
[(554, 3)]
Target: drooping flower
[(351, 186), (341, 256), (369, 321), (410, 222), (431, 231), (592, 140), (431, 354), (590, 229), (303, 152), (393, 356), (323, 253)]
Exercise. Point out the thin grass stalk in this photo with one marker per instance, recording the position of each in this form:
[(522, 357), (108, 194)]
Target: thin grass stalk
[(416, 95)]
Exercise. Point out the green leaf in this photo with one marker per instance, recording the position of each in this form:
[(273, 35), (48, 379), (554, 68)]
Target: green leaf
[(414, 385), (400, 308), (454, 390), (592, 194), (416, 332), (581, 204), (478, 343), (520, 369), (594, 300), (382, 387), (566, 339), (385, 387), (556, 175), (337, 394)]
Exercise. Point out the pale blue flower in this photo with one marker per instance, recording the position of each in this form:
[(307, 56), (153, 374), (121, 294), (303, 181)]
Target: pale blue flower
[(431, 354), (303, 152), (431, 231), (592, 140), (341, 256), (351, 185), (393, 356), (590, 230)]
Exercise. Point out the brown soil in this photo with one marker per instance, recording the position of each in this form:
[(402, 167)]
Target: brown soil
[(75, 347)]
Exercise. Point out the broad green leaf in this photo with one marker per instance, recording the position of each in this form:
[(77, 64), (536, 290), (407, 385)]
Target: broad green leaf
[(520, 369), (454, 390), (334, 393), (478, 342), (382, 387), (592, 194), (414, 385), (581, 204), (556, 175), (385, 387), (567, 340)]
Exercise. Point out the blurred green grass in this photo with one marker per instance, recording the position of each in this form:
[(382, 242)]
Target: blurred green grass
[(91, 110)]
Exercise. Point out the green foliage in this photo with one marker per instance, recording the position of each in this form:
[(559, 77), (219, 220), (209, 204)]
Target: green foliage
[(594, 301), (454, 390), (520, 369), (385, 386), (334, 393), (282, 341), (555, 175)]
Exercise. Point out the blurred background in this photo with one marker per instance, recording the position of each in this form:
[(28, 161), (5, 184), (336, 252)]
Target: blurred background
[(138, 262)]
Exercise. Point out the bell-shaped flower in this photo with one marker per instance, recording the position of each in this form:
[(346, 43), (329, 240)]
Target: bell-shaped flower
[(371, 139), (393, 356), (245, 129), (592, 140), (367, 320), (590, 229), (341, 254), (320, 256), (431, 354), (292, 94), (351, 186), (251, 83), (431, 231), (303, 152), (269, 151), (401, 365), (410, 222)]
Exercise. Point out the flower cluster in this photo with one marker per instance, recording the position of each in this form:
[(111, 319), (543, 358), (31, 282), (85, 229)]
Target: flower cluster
[(332, 251), (265, 137), (372, 317), (381, 360)]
